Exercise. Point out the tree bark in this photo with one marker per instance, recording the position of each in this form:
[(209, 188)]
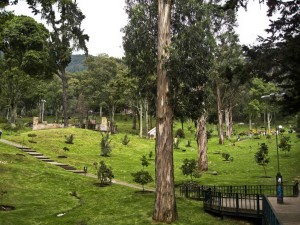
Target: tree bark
[(227, 122), (220, 115), (202, 143), (141, 118), (165, 209), (64, 80)]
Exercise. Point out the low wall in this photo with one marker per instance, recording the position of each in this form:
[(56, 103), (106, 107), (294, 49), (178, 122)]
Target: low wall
[(46, 126)]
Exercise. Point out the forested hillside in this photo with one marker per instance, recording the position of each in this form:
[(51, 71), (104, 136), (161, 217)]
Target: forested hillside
[(77, 64)]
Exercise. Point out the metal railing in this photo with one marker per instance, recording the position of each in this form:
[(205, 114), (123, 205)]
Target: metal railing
[(247, 205), (197, 191), (269, 215)]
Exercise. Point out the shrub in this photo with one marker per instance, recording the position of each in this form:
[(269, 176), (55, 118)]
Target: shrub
[(284, 144), (105, 147), (69, 139), (142, 177), (209, 134), (179, 133), (226, 156), (189, 168), (104, 173), (125, 140), (261, 156), (150, 154), (32, 136), (66, 149)]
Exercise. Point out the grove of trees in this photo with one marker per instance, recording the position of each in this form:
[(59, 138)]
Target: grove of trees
[(183, 61)]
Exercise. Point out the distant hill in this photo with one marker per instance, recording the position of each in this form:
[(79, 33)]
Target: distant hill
[(77, 64)]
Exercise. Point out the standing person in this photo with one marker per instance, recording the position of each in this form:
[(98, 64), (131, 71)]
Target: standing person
[(0, 133)]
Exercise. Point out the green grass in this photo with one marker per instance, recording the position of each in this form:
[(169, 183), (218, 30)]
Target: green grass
[(40, 191)]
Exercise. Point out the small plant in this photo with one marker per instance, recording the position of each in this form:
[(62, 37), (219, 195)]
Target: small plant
[(284, 144), (209, 133), (69, 139), (261, 156), (150, 155), (226, 156), (32, 136), (179, 133), (104, 173), (189, 168), (66, 149), (142, 177), (125, 140), (105, 147)]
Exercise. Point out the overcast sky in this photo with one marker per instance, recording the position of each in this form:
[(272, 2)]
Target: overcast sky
[(105, 18)]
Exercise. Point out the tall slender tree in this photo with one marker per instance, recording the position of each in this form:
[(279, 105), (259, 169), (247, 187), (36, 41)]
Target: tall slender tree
[(165, 209)]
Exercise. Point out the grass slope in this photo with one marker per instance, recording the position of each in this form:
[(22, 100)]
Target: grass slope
[(40, 192)]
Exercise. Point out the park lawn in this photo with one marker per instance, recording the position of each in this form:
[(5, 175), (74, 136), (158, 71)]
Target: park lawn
[(40, 192), (125, 159)]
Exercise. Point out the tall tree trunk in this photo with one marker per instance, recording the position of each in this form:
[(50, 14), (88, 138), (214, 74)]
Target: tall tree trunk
[(165, 209), (220, 115), (13, 117), (146, 117), (227, 122), (230, 122), (250, 121), (269, 118), (134, 118), (141, 118), (202, 143), (64, 81)]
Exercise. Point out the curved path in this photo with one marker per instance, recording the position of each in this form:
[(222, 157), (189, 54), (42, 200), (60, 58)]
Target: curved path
[(69, 168)]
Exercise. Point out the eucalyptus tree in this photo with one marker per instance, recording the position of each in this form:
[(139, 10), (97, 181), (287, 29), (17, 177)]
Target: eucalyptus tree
[(227, 57), (25, 47), (140, 45), (64, 19)]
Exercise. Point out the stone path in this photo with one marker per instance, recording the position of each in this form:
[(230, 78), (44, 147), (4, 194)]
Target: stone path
[(289, 212), (69, 168)]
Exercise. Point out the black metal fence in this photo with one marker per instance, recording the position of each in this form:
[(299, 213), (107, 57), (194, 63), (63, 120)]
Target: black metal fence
[(269, 216), (246, 205), (197, 191)]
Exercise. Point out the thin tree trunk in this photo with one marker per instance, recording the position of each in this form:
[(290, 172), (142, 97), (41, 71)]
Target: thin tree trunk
[(227, 122), (141, 118), (146, 118), (202, 143), (65, 96), (165, 209), (250, 121), (134, 119), (269, 118), (220, 115), (230, 122)]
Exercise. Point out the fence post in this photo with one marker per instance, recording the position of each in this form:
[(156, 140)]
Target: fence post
[(257, 204), (237, 202), (219, 201)]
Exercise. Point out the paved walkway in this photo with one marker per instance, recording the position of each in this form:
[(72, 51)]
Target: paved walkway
[(289, 212), (69, 168)]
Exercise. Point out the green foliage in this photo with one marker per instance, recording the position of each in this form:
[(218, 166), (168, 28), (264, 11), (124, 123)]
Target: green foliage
[(142, 177), (150, 155), (69, 139), (32, 136), (125, 140), (179, 133), (76, 64), (226, 156), (104, 173), (3, 191), (144, 161), (105, 146), (188, 143), (261, 156), (189, 168), (66, 149), (284, 144)]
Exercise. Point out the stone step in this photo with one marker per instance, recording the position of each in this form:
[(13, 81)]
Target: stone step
[(67, 167), (35, 154), (47, 160), (77, 171), (28, 150)]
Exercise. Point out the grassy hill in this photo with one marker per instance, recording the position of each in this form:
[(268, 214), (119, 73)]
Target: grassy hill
[(40, 192)]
